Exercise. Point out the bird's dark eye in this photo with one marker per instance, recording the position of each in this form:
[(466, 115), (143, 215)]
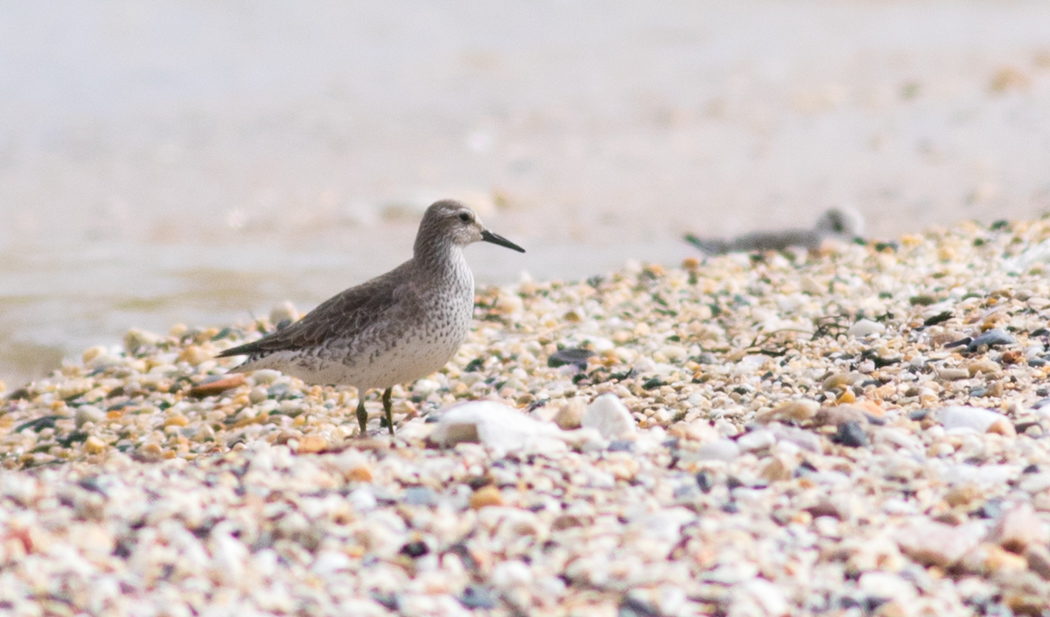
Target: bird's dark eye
[(465, 217)]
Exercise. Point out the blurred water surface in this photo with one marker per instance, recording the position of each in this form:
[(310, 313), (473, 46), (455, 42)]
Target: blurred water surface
[(197, 162)]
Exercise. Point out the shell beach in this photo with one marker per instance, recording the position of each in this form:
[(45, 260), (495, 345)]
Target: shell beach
[(858, 430)]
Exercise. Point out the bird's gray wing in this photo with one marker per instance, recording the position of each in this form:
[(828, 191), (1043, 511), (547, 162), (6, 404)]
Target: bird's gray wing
[(344, 315)]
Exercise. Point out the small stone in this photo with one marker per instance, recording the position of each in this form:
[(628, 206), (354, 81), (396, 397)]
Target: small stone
[(94, 445), (991, 338), (194, 355), (756, 440), (851, 434), (865, 327), (176, 420), (266, 376), (839, 415), (980, 420), (952, 374), (359, 474), (609, 416), (985, 366), (791, 411), (218, 386), (311, 444), (420, 496), (842, 380), (718, 450), (485, 496), (777, 470), (136, 339), (758, 596), (88, 413), (570, 415), (1018, 527), (1038, 557), (284, 311), (476, 596), (257, 395), (937, 544), (962, 495), (497, 426), (575, 356)]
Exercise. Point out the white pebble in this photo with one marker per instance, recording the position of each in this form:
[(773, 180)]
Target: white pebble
[(609, 416)]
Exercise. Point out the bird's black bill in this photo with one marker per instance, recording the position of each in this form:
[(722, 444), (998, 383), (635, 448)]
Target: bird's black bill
[(488, 236)]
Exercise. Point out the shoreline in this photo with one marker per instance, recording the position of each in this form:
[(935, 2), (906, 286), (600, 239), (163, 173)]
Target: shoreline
[(787, 433)]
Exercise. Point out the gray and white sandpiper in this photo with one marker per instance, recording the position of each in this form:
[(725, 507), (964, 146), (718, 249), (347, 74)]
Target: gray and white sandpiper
[(396, 328)]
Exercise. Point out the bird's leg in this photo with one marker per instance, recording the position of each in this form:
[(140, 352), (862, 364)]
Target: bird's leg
[(388, 407), (362, 415)]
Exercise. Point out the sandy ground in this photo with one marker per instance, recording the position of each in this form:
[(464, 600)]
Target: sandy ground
[(164, 162)]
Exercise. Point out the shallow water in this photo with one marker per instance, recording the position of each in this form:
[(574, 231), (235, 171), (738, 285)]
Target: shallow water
[(200, 162)]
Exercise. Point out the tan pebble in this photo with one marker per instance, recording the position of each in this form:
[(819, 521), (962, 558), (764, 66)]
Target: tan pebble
[(912, 240), (311, 444), (178, 330), (1013, 357), (983, 366), (571, 414), (840, 414), (1003, 427), (250, 420), (893, 608), (486, 496), (1021, 603), (217, 387), (194, 355), (997, 559), (149, 453), (842, 380), (846, 397), (94, 445), (777, 470), (359, 474), (952, 374), (690, 263), (946, 253), (176, 420), (962, 494), (1038, 557), (796, 411), (91, 353)]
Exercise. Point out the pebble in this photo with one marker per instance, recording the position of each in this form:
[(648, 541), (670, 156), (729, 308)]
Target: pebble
[(88, 413), (756, 440), (974, 418), (731, 476), (218, 386), (609, 416), (486, 496), (1019, 527), (497, 426), (865, 327), (792, 411), (991, 338), (718, 450), (570, 415), (574, 356)]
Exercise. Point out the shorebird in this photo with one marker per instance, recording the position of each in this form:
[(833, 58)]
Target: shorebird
[(840, 224), (396, 328)]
